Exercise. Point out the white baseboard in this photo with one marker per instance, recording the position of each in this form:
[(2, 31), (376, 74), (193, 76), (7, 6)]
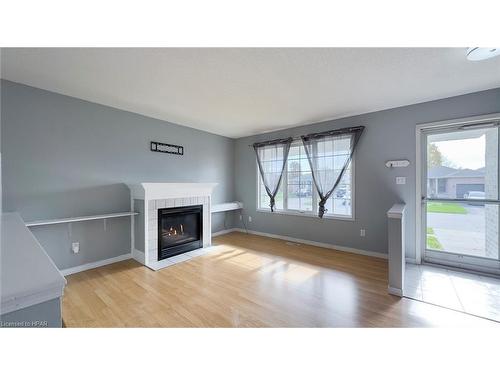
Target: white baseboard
[(100, 263), (313, 243), (139, 256), (395, 291), (225, 231)]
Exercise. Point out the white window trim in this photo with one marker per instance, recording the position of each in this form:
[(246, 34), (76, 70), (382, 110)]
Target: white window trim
[(313, 214)]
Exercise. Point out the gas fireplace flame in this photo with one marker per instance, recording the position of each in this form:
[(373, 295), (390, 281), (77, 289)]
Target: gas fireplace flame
[(174, 232)]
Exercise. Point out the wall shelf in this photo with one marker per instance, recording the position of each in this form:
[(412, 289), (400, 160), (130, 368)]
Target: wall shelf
[(77, 219), (230, 206)]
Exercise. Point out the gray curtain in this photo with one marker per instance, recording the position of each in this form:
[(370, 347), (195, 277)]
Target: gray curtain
[(329, 155), (271, 159)]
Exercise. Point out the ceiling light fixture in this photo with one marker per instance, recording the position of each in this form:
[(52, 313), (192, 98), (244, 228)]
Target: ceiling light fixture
[(481, 53)]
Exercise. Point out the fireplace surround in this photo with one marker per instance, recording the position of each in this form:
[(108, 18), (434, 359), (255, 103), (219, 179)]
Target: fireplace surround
[(180, 229), (149, 199)]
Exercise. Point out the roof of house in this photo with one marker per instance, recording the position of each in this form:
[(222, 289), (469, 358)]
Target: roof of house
[(439, 172), (447, 172)]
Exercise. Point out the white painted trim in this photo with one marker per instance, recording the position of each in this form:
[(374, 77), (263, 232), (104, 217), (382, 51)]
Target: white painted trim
[(78, 218), (460, 121), (395, 291), (318, 244), (100, 263), (165, 190), (224, 231), (411, 260), (392, 215), (453, 123), (305, 214), (139, 256), (146, 230), (132, 226), (396, 211), (229, 206), (418, 195)]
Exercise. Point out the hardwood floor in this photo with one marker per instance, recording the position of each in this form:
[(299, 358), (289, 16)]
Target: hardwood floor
[(250, 281)]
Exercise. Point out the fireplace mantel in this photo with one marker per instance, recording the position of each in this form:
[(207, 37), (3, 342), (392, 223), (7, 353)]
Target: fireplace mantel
[(165, 190), (147, 198)]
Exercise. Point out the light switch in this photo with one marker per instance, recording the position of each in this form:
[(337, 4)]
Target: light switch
[(400, 180)]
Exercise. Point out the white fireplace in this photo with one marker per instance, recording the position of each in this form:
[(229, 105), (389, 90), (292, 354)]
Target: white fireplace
[(150, 197)]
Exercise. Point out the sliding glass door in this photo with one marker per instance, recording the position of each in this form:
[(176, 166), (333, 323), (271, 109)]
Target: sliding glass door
[(460, 204)]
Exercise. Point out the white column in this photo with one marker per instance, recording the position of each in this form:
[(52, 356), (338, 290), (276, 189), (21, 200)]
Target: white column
[(396, 243)]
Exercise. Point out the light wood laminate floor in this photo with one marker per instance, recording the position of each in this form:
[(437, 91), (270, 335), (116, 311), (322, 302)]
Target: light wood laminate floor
[(250, 281)]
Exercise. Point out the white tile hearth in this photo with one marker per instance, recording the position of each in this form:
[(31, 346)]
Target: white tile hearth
[(180, 258)]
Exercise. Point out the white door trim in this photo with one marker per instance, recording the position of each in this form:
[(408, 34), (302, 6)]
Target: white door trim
[(418, 166)]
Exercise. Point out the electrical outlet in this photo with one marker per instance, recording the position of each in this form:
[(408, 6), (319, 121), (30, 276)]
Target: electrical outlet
[(362, 233), (249, 219), (75, 247)]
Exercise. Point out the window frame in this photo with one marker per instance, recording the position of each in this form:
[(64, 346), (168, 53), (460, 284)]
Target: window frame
[(315, 197)]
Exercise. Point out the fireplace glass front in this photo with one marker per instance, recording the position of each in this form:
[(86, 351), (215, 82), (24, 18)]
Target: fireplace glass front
[(179, 230)]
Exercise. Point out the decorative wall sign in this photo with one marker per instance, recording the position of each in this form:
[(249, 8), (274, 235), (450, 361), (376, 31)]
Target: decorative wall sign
[(397, 163), (167, 148)]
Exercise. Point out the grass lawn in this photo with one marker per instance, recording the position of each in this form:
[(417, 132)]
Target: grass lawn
[(446, 208), (432, 241)]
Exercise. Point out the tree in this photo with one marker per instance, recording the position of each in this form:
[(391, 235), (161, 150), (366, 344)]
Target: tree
[(434, 156), (436, 159)]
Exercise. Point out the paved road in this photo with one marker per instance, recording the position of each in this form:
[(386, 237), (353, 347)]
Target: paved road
[(457, 233), (473, 221)]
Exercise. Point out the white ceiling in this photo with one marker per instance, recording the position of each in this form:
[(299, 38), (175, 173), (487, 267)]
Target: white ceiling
[(237, 92)]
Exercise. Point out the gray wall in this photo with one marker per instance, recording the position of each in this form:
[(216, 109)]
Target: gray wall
[(389, 134), (67, 157)]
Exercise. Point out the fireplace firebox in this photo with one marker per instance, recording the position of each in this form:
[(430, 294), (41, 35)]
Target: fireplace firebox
[(180, 229)]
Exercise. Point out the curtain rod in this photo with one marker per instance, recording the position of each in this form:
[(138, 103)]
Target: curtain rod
[(296, 138), (273, 141)]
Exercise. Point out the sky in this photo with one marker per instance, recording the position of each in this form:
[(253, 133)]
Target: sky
[(464, 153)]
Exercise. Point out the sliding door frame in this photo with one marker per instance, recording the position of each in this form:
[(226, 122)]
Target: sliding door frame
[(421, 162)]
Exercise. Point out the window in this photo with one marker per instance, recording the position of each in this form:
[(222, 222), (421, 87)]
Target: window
[(297, 194), (441, 185)]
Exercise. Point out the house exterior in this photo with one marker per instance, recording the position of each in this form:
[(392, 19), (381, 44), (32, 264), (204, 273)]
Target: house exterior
[(446, 182)]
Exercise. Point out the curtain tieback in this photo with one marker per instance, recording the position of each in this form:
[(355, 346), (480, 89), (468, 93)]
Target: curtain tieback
[(271, 203), (321, 208)]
